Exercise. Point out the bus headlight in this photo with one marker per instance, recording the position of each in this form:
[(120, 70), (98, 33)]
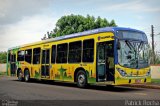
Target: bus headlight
[(122, 72), (148, 73)]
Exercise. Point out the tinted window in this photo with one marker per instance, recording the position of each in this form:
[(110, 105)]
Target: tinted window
[(28, 55), (75, 52), (45, 56), (132, 35), (21, 55), (36, 55), (88, 50), (9, 54), (13, 58), (62, 53), (53, 54)]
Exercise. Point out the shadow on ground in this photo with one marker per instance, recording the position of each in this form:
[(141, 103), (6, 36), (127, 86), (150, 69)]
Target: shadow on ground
[(93, 87)]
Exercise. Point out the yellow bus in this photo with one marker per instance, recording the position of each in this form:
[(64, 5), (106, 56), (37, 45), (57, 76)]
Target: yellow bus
[(107, 56)]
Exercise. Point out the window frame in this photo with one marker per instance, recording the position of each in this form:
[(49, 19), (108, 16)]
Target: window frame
[(36, 55), (89, 48), (20, 56), (58, 53), (55, 54), (12, 58), (28, 56), (81, 51)]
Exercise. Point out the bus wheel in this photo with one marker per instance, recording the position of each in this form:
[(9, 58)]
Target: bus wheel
[(20, 76), (81, 79), (26, 76)]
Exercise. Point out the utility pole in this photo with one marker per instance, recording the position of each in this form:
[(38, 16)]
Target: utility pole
[(152, 35)]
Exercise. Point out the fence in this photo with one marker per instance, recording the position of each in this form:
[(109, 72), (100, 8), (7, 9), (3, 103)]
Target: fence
[(155, 72), (2, 67)]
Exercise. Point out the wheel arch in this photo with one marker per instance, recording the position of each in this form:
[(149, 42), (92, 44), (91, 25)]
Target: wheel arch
[(77, 70)]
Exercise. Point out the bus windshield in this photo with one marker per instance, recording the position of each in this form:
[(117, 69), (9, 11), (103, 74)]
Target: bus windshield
[(133, 54)]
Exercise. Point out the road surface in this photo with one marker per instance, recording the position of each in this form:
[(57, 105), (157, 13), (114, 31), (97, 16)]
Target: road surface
[(12, 89)]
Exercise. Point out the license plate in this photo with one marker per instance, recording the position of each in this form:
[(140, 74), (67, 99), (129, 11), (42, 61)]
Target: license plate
[(138, 81)]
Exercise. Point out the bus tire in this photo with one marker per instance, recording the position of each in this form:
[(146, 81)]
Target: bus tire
[(81, 79), (26, 76), (20, 76)]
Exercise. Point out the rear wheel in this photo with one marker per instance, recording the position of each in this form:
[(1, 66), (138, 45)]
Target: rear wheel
[(26, 76), (20, 76), (81, 79)]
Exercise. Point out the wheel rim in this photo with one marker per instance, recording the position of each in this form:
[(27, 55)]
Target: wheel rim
[(20, 76), (26, 77), (81, 79)]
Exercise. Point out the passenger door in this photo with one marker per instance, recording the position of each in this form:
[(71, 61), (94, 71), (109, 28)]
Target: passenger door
[(101, 62), (36, 63), (45, 63)]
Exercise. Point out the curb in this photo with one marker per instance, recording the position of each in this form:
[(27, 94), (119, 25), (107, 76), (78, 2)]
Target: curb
[(144, 86)]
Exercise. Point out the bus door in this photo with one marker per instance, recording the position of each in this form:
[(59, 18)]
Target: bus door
[(105, 61), (101, 62), (45, 63)]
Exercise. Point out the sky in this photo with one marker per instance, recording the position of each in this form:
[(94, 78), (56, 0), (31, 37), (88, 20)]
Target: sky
[(26, 21)]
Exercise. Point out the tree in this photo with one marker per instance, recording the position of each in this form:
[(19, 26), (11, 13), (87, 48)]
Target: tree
[(3, 57), (98, 22), (112, 23), (78, 23)]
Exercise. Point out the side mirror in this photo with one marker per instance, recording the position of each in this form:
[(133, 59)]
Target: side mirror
[(118, 45)]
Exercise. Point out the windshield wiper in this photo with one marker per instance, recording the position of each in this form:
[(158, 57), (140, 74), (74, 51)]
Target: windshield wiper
[(133, 48), (130, 45), (140, 46)]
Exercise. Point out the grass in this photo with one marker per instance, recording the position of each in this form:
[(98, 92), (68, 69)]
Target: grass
[(155, 81), (3, 73)]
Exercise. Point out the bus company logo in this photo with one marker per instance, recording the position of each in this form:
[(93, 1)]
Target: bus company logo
[(103, 37)]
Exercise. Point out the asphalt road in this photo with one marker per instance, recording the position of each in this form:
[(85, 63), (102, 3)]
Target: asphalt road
[(12, 89)]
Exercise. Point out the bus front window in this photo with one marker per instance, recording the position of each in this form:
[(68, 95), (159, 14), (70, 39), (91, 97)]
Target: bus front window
[(133, 54), (143, 55), (126, 55)]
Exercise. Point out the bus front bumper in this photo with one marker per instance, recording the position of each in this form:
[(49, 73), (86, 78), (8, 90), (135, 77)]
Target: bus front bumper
[(132, 80), (127, 80)]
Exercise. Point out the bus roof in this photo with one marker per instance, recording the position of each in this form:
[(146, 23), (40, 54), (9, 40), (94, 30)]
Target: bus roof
[(89, 32), (94, 31)]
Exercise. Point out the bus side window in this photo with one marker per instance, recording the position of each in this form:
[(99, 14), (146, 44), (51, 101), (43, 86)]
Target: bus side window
[(13, 57), (20, 56), (75, 49), (62, 50), (28, 55), (36, 55), (88, 50), (53, 55)]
